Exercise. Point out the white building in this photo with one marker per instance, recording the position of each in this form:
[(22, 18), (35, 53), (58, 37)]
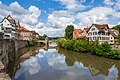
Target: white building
[(9, 27), (100, 32)]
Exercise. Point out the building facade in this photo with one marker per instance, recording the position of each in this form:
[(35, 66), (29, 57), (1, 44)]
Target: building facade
[(113, 36), (9, 27), (99, 32), (24, 34), (35, 35)]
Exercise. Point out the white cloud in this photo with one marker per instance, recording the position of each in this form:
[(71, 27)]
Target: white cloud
[(113, 3), (28, 18), (72, 4), (0, 2), (58, 20), (96, 15)]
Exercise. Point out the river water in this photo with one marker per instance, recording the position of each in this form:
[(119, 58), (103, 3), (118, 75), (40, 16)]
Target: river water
[(60, 64)]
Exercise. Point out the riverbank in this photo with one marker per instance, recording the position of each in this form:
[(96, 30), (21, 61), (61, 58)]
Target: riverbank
[(93, 48)]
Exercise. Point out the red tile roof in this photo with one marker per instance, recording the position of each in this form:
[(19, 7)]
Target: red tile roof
[(86, 29), (23, 29), (77, 31), (101, 27)]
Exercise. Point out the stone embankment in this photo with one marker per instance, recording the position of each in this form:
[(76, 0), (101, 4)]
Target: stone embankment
[(8, 48), (3, 75)]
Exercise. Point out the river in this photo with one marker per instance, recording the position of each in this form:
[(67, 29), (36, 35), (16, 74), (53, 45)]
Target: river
[(60, 64)]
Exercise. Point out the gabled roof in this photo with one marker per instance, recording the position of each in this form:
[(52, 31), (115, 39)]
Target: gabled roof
[(77, 31), (100, 27), (86, 29), (10, 19)]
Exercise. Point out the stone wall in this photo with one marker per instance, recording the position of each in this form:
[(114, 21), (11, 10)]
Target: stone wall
[(8, 48), (1, 35), (20, 44)]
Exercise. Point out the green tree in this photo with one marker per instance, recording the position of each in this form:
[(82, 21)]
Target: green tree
[(118, 38), (69, 32), (43, 37), (117, 27)]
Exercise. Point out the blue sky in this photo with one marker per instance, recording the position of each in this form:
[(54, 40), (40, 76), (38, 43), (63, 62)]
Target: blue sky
[(52, 16)]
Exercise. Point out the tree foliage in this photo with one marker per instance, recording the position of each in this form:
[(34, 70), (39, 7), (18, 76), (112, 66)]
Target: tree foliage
[(32, 42), (43, 37), (118, 38), (93, 48), (69, 32), (117, 27)]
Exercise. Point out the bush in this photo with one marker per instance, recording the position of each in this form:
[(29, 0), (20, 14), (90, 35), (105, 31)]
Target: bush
[(32, 42), (95, 48)]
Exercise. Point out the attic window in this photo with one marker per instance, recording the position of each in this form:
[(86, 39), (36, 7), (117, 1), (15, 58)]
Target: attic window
[(93, 29)]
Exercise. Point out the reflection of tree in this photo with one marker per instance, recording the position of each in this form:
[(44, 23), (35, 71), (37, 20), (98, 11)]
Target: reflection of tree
[(69, 58), (94, 62), (69, 62)]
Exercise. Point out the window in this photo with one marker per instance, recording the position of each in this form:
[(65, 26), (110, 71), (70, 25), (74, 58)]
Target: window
[(95, 33), (90, 38), (111, 41), (107, 38), (93, 29), (89, 33), (103, 38), (103, 33)]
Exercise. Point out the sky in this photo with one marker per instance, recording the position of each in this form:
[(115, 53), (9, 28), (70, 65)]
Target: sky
[(52, 16)]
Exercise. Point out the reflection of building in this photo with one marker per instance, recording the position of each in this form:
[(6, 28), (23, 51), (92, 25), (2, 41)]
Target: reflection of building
[(100, 32), (9, 27)]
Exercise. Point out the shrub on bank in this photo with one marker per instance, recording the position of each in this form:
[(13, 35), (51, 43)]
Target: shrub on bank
[(32, 42), (93, 48)]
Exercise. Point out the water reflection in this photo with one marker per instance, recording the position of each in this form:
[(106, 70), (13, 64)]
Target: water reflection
[(50, 65)]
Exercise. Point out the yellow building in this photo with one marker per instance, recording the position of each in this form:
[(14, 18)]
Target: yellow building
[(113, 36)]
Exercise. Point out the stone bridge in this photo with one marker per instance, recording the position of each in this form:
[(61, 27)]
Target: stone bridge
[(46, 42)]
